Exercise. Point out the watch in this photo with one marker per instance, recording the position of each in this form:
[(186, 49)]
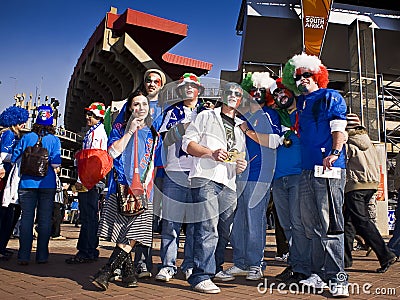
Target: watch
[(335, 152)]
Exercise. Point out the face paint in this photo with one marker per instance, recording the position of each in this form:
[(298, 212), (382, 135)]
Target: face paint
[(232, 97), (283, 98), (258, 94)]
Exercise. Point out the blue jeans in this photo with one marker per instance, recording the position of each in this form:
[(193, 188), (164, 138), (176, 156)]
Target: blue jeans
[(215, 204), (248, 235), (394, 243), (327, 251), (285, 192), (30, 200), (176, 206), (88, 216)]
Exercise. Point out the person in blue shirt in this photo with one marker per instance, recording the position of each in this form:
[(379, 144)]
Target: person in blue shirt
[(13, 120), (322, 127), (133, 124), (286, 186), (153, 80), (35, 192)]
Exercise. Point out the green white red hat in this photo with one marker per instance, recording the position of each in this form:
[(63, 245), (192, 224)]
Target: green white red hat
[(188, 78), (97, 108)]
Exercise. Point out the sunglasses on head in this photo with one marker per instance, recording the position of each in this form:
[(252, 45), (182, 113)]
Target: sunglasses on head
[(304, 75), (156, 81), (234, 93)]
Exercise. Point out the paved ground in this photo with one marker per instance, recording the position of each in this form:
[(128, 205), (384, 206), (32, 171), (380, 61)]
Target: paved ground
[(57, 280)]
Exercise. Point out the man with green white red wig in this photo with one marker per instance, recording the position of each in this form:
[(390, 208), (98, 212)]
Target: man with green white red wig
[(322, 127)]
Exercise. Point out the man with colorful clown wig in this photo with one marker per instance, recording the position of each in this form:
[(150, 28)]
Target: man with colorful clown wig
[(95, 138), (257, 85), (286, 186), (322, 125), (217, 145)]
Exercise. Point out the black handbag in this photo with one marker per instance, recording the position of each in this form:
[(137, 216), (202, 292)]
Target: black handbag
[(35, 160)]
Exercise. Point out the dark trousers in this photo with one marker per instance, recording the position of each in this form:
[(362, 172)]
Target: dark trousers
[(357, 219), (58, 212), (8, 219), (88, 216)]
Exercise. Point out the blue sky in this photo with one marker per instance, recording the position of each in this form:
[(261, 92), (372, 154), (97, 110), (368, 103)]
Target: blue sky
[(42, 40)]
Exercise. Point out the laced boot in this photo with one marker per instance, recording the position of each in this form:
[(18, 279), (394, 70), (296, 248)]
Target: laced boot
[(115, 261), (129, 279)]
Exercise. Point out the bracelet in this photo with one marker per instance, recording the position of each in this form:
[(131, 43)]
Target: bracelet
[(247, 129), (131, 132)]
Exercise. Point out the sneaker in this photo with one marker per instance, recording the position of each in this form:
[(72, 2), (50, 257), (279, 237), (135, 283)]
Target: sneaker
[(283, 258), (235, 271), (314, 281), (254, 273), (188, 273), (285, 275), (224, 276), (340, 290), (207, 286), (117, 275), (296, 278), (165, 274), (143, 273)]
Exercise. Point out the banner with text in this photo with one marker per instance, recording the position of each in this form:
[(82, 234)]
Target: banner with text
[(315, 15)]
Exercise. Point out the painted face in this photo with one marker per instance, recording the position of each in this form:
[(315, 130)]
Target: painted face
[(140, 107), (258, 94), (233, 97), (305, 81), (152, 84), (190, 90), (283, 98)]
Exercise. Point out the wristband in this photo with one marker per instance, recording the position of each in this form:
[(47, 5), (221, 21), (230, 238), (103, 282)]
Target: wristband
[(130, 132), (247, 129)]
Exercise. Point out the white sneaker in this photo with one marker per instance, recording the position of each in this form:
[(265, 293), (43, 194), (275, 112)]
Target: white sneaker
[(254, 273), (340, 290), (164, 274), (283, 258), (188, 273), (207, 286), (235, 271), (223, 276), (314, 281)]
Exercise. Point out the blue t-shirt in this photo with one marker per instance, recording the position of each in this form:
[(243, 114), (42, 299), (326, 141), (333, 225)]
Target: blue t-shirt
[(262, 165), (8, 140), (145, 146), (53, 146), (316, 111), (288, 159)]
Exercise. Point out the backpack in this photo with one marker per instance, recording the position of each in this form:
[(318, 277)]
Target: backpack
[(35, 160)]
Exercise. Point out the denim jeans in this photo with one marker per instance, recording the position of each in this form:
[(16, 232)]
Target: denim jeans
[(248, 235), (42, 201), (394, 242), (285, 192), (88, 217), (177, 207), (215, 203), (327, 251)]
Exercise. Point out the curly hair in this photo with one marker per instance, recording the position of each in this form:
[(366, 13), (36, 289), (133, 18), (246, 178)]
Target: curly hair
[(13, 116), (43, 129)]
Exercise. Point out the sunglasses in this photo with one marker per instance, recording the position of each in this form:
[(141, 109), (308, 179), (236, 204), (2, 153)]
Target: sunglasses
[(304, 75), (192, 85), (156, 81), (234, 93), (262, 90)]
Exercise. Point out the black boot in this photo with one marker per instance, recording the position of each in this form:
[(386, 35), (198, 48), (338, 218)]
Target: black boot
[(102, 277), (129, 279)]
